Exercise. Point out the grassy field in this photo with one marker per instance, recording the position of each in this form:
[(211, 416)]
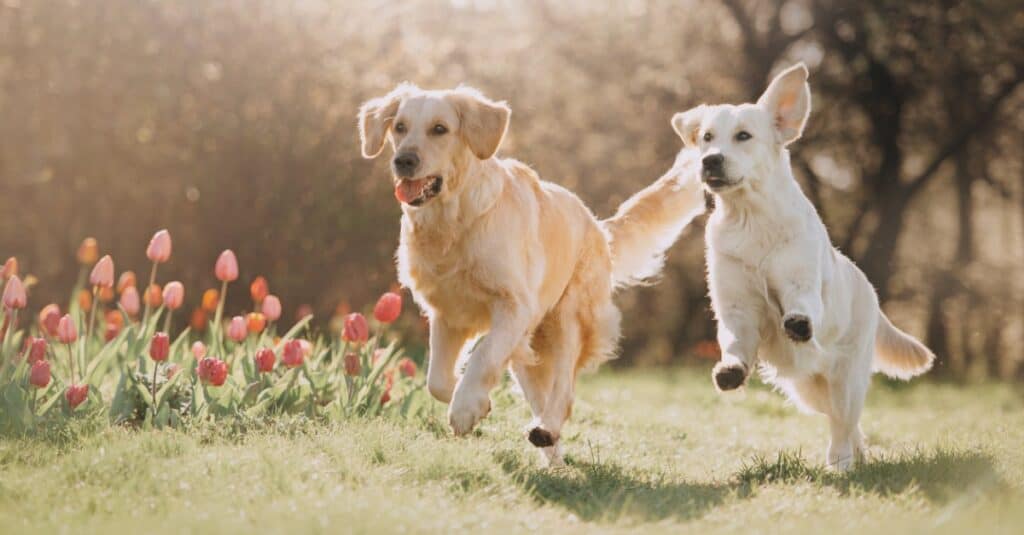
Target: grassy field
[(647, 450)]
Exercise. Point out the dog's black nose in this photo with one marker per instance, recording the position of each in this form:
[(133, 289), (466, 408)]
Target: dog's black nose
[(713, 162), (406, 163)]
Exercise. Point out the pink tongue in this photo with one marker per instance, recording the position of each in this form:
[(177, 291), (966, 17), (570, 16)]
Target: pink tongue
[(409, 190)]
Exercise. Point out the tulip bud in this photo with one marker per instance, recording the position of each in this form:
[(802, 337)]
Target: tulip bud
[(303, 312), (210, 299), (111, 330), (36, 350), (88, 251), (198, 350), (76, 394), (356, 330), (154, 296), (103, 273), (212, 371), (39, 376), (105, 294), (255, 322), (125, 280), (236, 329), (265, 360), (226, 268), (49, 316), (67, 333), (293, 354), (159, 250), (198, 320), (259, 289), (388, 307), (352, 364), (407, 367), (10, 268), (174, 295), (14, 294), (159, 347), (271, 308), (84, 299), (130, 301)]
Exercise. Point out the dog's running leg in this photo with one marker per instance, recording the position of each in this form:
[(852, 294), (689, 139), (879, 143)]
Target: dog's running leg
[(564, 344), (796, 282), (738, 326), (536, 382), (445, 344), (471, 401), (847, 391)]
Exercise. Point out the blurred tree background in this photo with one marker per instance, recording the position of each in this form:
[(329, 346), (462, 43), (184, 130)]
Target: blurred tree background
[(232, 124)]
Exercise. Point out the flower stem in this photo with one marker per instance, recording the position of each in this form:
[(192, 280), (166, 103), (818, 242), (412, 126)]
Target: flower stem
[(89, 327), (156, 366), (145, 294), (218, 314)]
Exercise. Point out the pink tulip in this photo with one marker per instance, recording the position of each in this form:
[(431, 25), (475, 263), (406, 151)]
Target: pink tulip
[(14, 294), (271, 308), (265, 359), (103, 273), (159, 250), (36, 350), (388, 307), (174, 295), (10, 268), (66, 331), (212, 371), (39, 377), (199, 350), (226, 268), (125, 280), (76, 394), (237, 330), (159, 347), (307, 347), (130, 300), (293, 354), (49, 316), (356, 330)]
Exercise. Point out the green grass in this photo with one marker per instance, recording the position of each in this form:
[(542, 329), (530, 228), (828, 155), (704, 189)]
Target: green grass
[(657, 451)]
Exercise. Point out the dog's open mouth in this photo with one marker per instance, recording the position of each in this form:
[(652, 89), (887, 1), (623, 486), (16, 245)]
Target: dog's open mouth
[(418, 191), (717, 183)]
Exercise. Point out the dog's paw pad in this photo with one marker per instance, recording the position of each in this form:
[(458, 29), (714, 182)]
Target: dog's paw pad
[(729, 377), (541, 438), (798, 327)]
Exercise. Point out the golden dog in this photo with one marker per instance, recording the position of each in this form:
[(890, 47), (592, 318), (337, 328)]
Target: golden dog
[(487, 247)]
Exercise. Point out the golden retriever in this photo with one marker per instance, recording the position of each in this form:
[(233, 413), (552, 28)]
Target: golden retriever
[(487, 247)]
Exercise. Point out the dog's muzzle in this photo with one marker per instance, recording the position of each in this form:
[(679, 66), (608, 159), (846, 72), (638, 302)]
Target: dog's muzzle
[(417, 192)]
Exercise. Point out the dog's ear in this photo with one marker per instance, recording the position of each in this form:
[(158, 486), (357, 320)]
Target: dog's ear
[(687, 124), (482, 121), (788, 100), (376, 116)]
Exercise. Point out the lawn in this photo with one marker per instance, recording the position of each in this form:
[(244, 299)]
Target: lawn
[(650, 450)]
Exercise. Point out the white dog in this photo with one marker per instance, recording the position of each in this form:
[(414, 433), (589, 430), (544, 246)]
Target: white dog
[(780, 291)]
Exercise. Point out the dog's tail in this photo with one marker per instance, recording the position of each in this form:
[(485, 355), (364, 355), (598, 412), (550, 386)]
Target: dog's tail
[(897, 354), (649, 222)]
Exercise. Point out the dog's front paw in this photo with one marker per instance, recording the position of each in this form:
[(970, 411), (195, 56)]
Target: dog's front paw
[(797, 327), (541, 438), (468, 407), (729, 376)]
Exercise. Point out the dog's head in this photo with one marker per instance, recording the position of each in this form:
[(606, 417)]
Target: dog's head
[(740, 145), (433, 135)]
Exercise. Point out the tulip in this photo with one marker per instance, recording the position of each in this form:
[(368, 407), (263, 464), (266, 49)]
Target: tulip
[(265, 360), (237, 330), (199, 350), (154, 296), (39, 377), (76, 394), (84, 299), (66, 331), (385, 397), (111, 330), (14, 294), (255, 322), (303, 312), (36, 350), (271, 308), (174, 295), (198, 320), (159, 347), (388, 307), (126, 280), (172, 370), (210, 299), (159, 250), (106, 294), (352, 364), (293, 354), (130, 301), (407, 367), (10, 268), (88, 251), (114, 317), (49, 316), (103, 273), (307, 347), (356, 330), (259, 289), (226, 268), (212, 371)]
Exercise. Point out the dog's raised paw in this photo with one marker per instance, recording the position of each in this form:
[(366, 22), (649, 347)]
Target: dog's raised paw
[(729, 376), (797, 327), (540, 437)]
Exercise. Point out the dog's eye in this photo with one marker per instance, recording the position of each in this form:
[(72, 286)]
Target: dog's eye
[(439, 129), (708, 136), (743, 135), (400, 128)]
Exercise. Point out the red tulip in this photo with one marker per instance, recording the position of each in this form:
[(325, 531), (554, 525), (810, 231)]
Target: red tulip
[(388, 308), (49, 317), (174, 295), (352, 364), (130, 301), (39, 377), (237, 330), (407, 367), (111, 330), (255, 322), (259, 289), (159, 250), (103, 273), (356, 330), (14, 293), (293, 354), (159, 347), (385, 397), (10, 268), (198, 320), (67, 333), (212, 371), (88, 251), (265, 359), (198, 350), (271, 308), (36, 350), (226, 268), (154, 296), (76, 394), (125, 280)]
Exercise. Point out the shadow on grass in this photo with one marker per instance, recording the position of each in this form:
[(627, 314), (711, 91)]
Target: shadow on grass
[(602, 492)]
